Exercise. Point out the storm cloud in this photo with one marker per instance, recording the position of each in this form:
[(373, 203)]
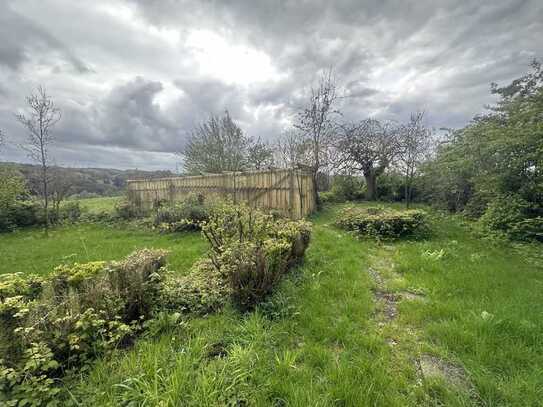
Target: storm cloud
[(134, 77)]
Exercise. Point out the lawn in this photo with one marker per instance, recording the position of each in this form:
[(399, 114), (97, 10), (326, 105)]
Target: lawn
[(449, 320), (30, 251), (101, 204)]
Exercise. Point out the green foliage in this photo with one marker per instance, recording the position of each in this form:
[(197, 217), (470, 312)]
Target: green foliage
[(124, 209), (391, 187), (252, 250), (498, 155), (184, 215), (219, 144), (62, 322), (70, 212), (510, 215), (27, 286), (202, 291), (16, 210), (346, 188), (382, 223)]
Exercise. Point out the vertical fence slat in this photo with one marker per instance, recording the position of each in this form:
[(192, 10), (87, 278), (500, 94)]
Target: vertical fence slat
[(288, 190)]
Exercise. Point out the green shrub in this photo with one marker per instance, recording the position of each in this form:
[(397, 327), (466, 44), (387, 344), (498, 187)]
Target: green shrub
[(327, 197), (202, 291), (252, 250), (16, 209), (382, 223), (59, 323), (70, 212), (344, 188), (28, 286), (100, 217), (124, 209), (512, 216), (184, 215)]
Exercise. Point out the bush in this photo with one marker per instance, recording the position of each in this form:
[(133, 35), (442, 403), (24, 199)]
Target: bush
[(391, 187), (187, 214), (382, 223), (202, 291), (327, 197), (512, 216), (70, 212), (16, 209), (344, 188), (53, 325), (99, 217), (252, 250), (124, 209)]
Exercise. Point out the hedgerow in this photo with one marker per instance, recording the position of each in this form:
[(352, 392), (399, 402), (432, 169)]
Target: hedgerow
[(56, 325), (382, 223), (53, 325)]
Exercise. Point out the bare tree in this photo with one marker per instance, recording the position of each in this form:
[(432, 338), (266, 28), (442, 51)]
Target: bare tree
[(42, 117), (260, 155), (215, 146), (316, 123), (368, 147), (2, 138), (292, 150), (414, 148)]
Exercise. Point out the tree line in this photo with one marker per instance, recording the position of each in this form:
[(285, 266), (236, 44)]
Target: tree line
[(491, 169)]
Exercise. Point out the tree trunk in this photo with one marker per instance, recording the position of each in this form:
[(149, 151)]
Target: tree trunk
[(45, 197), (315, 190), (406, 193), (371, 185)]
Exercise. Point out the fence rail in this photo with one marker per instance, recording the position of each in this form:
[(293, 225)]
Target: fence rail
[(287, 190)]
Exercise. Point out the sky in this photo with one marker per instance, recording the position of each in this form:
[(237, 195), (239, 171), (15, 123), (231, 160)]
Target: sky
[(134, 77)]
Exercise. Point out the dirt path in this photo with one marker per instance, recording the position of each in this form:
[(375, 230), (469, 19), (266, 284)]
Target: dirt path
[(406, 341)]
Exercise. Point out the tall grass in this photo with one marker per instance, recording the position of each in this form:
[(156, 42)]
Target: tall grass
[(317, 340)]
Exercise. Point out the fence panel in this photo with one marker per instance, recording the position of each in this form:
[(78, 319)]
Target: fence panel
[(288, 190)]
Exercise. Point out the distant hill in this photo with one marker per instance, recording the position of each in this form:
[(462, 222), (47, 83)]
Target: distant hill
[(86, 182)]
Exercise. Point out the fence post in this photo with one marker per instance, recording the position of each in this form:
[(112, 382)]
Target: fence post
[(291, 194)]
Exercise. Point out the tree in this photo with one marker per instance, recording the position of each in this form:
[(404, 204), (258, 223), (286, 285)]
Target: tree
[(317, 126), (2, 138), (39, 123), (260, 155), (495, 163), (367, 147), (12, 191), (215, 146), (292, 150), (413, 149)]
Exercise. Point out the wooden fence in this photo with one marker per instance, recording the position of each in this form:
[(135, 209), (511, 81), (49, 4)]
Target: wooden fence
[(288, 190)]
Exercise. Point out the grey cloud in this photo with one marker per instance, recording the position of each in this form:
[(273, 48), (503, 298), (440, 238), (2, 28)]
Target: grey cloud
[(22, 38), (146, 91), (209, 96)]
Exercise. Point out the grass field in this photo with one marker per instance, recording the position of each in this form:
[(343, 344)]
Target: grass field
[(450, 320), (102, 204), (29, 251)]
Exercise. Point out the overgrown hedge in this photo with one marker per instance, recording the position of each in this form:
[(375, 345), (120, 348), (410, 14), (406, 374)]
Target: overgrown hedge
[(56, 325), (251, 250), (53, 325), (382, 223)]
